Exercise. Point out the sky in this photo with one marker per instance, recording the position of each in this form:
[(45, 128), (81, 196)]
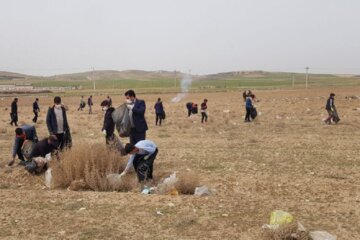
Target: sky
[(48, 37)]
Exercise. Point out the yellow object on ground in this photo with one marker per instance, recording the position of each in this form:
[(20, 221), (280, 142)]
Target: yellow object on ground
[(279, 217), (173, 192)]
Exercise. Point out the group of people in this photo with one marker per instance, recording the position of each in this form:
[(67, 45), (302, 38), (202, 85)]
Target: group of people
[(143, 152), (193, 109)]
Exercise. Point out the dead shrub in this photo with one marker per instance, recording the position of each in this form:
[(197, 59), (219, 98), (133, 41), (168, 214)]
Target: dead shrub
[(90, 163), (187, 182)]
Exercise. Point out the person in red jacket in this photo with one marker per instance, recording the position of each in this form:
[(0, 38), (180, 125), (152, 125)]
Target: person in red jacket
[(204, 115)]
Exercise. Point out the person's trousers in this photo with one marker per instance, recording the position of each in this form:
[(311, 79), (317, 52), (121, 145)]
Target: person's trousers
[(60, 138), (204, 117), (247, 116), (20, 154), (14, 118), (331, 115), (36, 115), (90, 109), (158, 119), (189, 112), (144, 167), (136, 136)]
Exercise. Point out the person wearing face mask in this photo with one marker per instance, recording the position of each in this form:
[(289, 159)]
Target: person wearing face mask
[(57, 124), (138, 123), (108, 125)]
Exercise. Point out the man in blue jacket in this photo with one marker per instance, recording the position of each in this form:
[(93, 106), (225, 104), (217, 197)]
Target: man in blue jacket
[(249, 107), (22, 134), (57, 124), (159, 111), (137, 109)]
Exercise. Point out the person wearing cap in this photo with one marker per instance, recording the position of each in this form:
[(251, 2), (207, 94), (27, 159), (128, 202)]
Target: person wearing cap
[(108, 124), (142, 159), (14, 112), (330, 108), (204, 116), (36, 110), (137, 108), (22, 134), (57, 124)]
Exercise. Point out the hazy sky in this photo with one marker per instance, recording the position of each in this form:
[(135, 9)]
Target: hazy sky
[(48, 37)]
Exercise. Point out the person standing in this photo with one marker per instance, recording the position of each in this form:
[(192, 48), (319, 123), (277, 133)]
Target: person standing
[(331, 109), (204, 116), (248, 106), (82, 104), (14, 112), (57, 124), (159, 111), (189, 107), (90, 104), (36, 110), (109, 100), (138, 123), (108, 125)]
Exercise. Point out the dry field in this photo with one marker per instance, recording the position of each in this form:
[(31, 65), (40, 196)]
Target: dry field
[(287, 159)]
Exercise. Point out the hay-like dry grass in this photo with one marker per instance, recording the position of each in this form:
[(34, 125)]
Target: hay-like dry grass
[(87, 165), (187, 182)]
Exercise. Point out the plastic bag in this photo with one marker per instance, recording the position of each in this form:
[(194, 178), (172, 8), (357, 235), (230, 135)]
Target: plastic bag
[(168, 185), (121, 119), (48, 178), (322, 235), (279, 217), (202, 191)]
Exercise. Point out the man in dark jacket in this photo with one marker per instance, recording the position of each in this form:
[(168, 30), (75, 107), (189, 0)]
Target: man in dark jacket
[(331, 109), (108, 125), (22, 134), (248, 106), (90, 104), (204, 115), (109, 100), (38, 154), (137, 109), (14, 112), (36, 110), (189, 107), (57, 124), (159, 111)]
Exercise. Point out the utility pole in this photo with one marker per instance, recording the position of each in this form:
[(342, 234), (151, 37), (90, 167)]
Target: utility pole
[(307, 77), (93, 77)]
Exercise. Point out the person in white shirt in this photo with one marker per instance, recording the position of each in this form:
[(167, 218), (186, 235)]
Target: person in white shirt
[(142, 159)]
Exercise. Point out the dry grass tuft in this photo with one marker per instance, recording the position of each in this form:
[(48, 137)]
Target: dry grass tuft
[(286, 232), (87, 165), (187, 182)]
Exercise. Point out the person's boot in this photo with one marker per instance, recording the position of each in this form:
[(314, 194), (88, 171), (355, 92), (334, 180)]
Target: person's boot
[(11, 163)]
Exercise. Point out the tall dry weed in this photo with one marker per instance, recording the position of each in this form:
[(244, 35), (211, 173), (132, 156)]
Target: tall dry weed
[(90, 163), (187, 182)]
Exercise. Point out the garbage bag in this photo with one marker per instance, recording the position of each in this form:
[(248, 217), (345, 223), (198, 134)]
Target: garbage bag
[(168, 185), (121, 119), (279, 217), (321, 235), (27, 149), (202, 191), (48, 178)]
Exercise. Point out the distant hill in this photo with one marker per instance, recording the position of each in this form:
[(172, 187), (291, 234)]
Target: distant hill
[(11, 76)]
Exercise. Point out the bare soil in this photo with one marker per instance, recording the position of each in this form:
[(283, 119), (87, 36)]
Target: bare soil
[(286, 159)]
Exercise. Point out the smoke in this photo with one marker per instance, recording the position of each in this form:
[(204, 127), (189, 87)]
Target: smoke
[(185, 85)]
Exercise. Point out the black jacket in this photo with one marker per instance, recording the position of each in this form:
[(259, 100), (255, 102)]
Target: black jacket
[(109, 124), (52, 123), (14, 107), (36, 107), (330, 103), (139, 116), (41, 149)]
